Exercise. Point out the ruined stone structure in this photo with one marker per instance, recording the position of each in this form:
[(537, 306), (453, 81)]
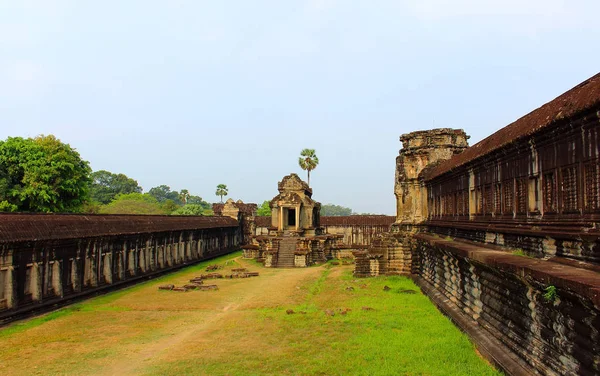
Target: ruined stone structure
[(357, 231), (243, 213), (467, 217), (50, 259), (295, 238)]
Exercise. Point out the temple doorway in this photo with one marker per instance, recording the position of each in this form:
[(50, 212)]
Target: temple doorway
[(291, 218)]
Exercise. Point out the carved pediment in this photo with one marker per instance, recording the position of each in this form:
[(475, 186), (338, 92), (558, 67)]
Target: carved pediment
[(292, 182)]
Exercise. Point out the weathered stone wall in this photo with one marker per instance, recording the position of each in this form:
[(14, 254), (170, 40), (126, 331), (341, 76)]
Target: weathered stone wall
[(531, 188), (358, 231), (49, 259), (503, 295)]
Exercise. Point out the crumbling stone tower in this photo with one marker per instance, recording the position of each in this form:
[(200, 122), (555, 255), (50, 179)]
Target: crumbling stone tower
[(390, 253), (420, 150)]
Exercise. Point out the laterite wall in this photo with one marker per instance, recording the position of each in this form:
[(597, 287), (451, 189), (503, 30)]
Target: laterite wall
[(48, 259)]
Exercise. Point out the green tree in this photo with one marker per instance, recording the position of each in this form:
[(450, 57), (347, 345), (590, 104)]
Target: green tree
[(169, 206), (335, 210), (105, 186), (192, 209), (163, 193), (222, 191), (264, 210), (184, 195), (197, 200), (133, 203), (42, 174), (308, 161)]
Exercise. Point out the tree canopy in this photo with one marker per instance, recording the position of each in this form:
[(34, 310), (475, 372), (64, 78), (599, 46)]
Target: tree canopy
[(105, 186), (42, 174), (308, 161), (163, 193), (264, 210), (193, 209), (222, 191), (133, 203), (335, 210)]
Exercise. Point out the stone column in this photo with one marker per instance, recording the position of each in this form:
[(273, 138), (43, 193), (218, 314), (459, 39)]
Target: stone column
[(280, 218), (9, 282), (35, 282), (297, 218), (107, 270), (56, 278)]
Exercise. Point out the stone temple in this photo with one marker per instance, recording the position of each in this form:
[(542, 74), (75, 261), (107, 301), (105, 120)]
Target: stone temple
[(503, 236), (295, 237)]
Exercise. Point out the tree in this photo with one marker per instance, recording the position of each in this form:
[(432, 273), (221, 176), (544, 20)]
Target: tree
[(197, 200), (192, 209), (133, 203), (163, 193), (42, 174), (308, 161), (184, 195), (222, 191), (169, 206), (264, 210), (335, 210), (106, 186)]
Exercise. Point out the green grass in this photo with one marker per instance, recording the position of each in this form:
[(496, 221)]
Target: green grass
[(403, 334), (520, 252)]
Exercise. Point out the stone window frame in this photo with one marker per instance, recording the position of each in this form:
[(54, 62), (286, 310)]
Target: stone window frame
[(488, 199), (591, 184), (521, 196), (569, 185), (550, 191), (497, 198), (508, 201)]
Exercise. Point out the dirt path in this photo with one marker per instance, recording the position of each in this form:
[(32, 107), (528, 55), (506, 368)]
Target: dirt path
[(274, 288)]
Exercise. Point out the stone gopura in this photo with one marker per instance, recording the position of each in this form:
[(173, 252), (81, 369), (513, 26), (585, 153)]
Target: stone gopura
[(295, 238)]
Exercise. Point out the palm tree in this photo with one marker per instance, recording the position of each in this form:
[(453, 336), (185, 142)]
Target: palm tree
[(184, 195), (222, 191), (308, 161)]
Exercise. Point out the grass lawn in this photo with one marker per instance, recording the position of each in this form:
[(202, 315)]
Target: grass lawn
[(244, 329)]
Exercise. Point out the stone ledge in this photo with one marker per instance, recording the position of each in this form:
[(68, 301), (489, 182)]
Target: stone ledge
[(491, 348), (581, 281)]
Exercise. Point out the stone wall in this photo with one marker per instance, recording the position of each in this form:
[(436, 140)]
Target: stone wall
[(503, 235), (358, 231), (49, 259), (531, 316)]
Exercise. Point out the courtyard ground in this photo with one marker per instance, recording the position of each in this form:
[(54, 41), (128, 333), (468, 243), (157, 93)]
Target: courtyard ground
[(340, 326)]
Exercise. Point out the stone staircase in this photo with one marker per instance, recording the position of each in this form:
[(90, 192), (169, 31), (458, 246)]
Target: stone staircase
[(285, 256)]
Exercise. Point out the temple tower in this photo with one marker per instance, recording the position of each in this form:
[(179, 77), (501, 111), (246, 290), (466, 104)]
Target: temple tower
[(420, 150)]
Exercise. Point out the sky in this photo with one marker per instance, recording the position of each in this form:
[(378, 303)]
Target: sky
[(192, 94)]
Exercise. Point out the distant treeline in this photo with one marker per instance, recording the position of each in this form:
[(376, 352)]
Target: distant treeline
[(42, 174)]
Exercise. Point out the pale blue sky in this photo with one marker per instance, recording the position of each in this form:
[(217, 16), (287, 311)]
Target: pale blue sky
[(196, 93)]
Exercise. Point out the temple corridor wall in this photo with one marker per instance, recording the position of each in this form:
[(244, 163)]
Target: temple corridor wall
[(540, 194), (358, 231), (508, 298), (38, 272)]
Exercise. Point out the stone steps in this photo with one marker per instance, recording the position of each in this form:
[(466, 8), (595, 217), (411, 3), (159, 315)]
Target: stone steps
[(285, 256)]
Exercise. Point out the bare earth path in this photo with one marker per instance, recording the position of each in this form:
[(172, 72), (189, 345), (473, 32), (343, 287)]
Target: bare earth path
[(243, 329), (147, 324), (273, 291)]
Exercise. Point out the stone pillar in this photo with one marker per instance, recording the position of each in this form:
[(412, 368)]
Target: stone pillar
[(107, 269), (280, 219), (75, 274), (56, 278), (10, 283), (35, 282), (297, 218)]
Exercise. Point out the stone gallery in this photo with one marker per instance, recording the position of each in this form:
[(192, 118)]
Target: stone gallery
[(503, 236)]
